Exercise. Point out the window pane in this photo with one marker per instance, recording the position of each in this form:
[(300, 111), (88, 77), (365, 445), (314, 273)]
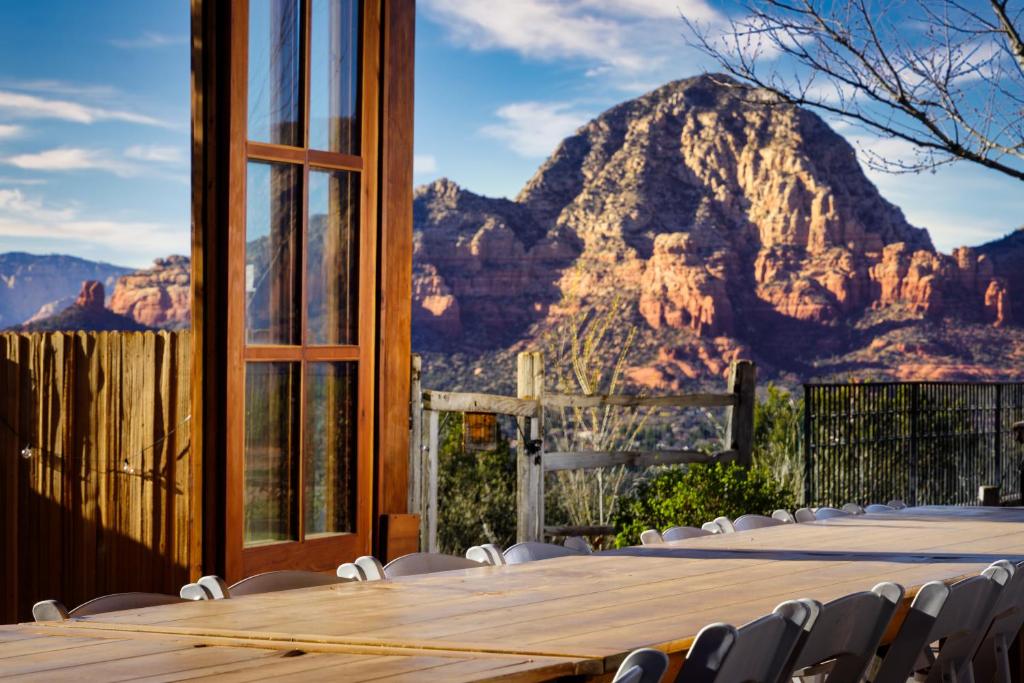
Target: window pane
[(275, 72), (332, 274), (330, 454), (271, 451), (273, 245), (334, 76)]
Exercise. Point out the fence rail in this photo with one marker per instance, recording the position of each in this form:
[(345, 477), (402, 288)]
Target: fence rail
[(533, 462), (95, 478), (921, 442)]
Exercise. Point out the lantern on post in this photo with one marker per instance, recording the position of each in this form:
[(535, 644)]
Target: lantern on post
[(479, 432)]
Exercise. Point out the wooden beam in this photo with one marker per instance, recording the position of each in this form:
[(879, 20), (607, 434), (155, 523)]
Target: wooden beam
[(739, 419), (429, 541), (585, 460), (596, 530), (394, 255), (682, 401), (450, 401), (529, 465)]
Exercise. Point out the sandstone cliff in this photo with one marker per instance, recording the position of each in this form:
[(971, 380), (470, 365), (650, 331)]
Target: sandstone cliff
[(157, 296), (727, 223)]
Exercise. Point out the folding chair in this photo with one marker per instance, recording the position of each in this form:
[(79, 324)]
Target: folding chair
[(54, 610), (748, 522), (642, 666)]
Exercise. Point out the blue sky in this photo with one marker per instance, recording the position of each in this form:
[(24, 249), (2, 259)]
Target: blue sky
[(94, 111)]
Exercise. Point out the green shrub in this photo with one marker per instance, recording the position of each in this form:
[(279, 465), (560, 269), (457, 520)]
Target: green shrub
[(476, 494), (778, 427), (690, 496)]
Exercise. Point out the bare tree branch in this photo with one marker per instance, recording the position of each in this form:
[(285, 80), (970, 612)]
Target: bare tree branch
[(942, 76)]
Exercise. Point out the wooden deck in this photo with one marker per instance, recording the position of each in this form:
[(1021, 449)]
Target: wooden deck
[(577, 615)]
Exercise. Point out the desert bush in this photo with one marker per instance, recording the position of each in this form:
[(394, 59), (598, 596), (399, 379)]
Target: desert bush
[(690, 496), (778, 427)]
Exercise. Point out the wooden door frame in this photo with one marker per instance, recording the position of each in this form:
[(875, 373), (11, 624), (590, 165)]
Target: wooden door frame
[(219, 165)]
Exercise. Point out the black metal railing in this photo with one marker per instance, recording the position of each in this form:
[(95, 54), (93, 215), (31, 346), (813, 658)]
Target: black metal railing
[(926, 443)]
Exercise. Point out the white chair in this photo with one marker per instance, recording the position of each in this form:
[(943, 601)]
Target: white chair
[(757, 653), (642, 666), (679, 533), (213, 587), (651, 537), (748, 522), (577, 543), (712, 528), (956, 615), (784, 516), (829, 513), (992, 662), (845, 634), (897, 504), (804, 515), (532, 551), (878, 507), (853, 509), (488, 553), (54, 610), (725, 525), (368, 568)]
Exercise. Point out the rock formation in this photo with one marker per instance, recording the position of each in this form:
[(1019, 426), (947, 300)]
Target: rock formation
[(744, 225), (87, 314), (157, 296)]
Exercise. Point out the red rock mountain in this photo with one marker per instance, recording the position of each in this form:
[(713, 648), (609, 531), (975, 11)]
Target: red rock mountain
[(157, 296), (731, 227), (87, 313)]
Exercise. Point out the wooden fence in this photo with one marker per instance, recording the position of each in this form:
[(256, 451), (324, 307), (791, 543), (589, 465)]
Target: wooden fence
[(533, 462), (94, 466)]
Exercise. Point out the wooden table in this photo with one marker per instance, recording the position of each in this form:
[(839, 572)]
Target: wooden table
[(587, 613)]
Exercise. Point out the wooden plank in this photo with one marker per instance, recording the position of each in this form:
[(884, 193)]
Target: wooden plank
[(433, 465), (739, 419), (449, 401), (529, 467), (708, 400), (594, 530), (416, 451), (589, 460)]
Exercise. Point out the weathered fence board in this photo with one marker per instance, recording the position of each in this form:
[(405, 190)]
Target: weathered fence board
[(102, 504), (623, 401), (595, 459)]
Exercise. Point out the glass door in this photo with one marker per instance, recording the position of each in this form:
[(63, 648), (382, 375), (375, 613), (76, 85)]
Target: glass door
[(299, 470)]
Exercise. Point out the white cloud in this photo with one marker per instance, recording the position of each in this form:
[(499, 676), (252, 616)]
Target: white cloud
[(72, 159), (630, 36), (149, 40), (21, 105), (29, 218), (160, 154), (424, 163), (9, 131), (534, 129)]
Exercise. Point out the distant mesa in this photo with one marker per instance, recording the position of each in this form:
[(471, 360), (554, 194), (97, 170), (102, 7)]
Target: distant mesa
[(88, 313), (156, 297)]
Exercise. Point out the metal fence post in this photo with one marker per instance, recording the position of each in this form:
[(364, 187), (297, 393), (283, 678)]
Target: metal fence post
[(808, 456), (915, 395)]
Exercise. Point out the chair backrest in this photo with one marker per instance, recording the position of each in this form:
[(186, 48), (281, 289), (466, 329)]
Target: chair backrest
[(642, 666), (532, 551), (828, 513), (678, 533), (896, 503), (804, 515), (784, 516), (848, 631), (488, 553), (878, 507), (651, 537), (1007, 620), (748, 522), (426, 563), (578, 543), (52, 610), (711, 528), (365, 568), (725, 524), (958, 614), (282, 580), (853, 509), (757, 653)]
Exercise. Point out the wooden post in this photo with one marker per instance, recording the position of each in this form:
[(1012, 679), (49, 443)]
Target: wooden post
[(416, 436), (429, 541), (988, 496), (739, 419), (529, 467)]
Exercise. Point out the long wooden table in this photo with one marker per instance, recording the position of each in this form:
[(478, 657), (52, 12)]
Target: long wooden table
[(582, 615)]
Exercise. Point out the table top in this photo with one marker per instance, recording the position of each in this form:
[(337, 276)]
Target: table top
[(43, 652), (595, 609)]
